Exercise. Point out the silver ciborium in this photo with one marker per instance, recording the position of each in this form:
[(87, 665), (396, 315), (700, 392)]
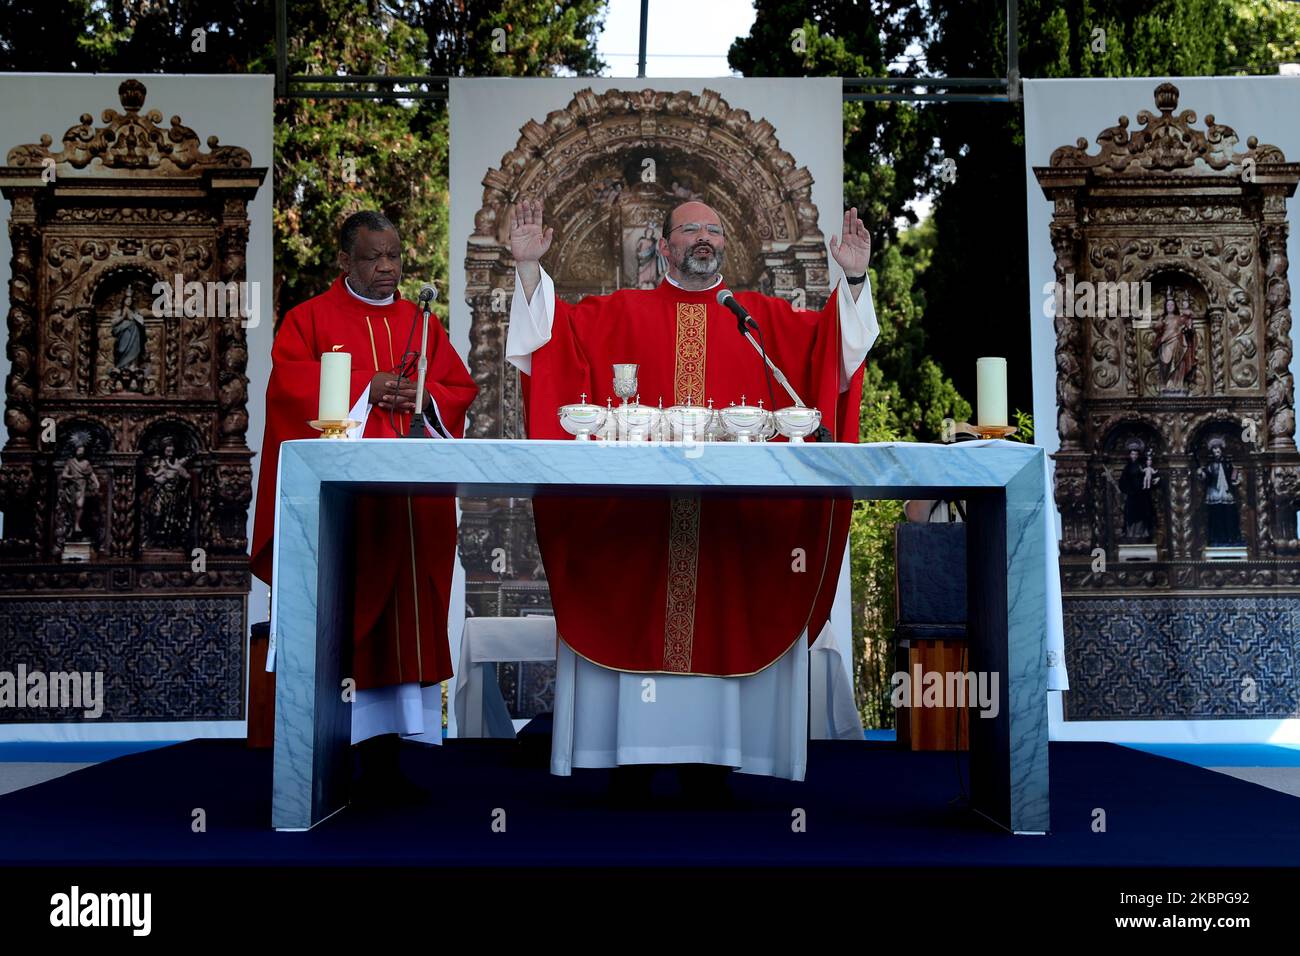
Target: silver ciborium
[(689, 422), (637, 422), (581, 419), (796, 422), (608, 431), (747, 423)]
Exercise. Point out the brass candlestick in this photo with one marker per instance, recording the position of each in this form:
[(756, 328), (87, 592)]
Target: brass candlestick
[(983, 431), (995, 431), (333, 429)]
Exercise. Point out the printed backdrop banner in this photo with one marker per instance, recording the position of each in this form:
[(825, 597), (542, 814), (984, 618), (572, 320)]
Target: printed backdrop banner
[(610, 158), (135, 272), (1164, 369)]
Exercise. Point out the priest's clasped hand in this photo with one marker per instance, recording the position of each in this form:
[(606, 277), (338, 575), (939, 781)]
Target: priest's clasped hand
[(393, 393)]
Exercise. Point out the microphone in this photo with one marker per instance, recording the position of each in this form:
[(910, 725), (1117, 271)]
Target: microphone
[(428, 292), (743, 322)]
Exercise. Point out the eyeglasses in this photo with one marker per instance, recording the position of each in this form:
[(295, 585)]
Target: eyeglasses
[(693, 228)]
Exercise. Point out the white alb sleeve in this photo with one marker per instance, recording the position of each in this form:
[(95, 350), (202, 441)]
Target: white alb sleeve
[(530, 322), (858, 328), (360, 412), (437, 415)]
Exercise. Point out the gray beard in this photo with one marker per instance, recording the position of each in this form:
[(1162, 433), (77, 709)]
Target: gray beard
[(691, 266)]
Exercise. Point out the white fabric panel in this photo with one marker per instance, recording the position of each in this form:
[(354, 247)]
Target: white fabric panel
[(757, 724), (832, 711), (479, 709), (508, 639), (408, 709), (530, 322)]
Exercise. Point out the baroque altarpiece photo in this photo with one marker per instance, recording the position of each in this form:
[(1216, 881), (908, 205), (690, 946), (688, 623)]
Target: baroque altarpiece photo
[(1177, 476), (126, 475)]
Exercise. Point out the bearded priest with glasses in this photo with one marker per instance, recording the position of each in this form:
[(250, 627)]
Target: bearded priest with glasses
[(715, 601)]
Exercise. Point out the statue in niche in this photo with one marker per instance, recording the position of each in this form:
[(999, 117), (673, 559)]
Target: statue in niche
[(1223, 525), (1138, 484), (77, 476), (647, 260), (1175, 345), (130, 371), (168, 505), (128, 333)]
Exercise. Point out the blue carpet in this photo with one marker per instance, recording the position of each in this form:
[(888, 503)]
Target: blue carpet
[(867, 804)]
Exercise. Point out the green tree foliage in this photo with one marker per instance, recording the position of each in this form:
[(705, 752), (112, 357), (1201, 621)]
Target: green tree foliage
[(871, 570), (882, 167), (1262, 34), (539, 38), (134, 36), (335, 156), (332, 156)]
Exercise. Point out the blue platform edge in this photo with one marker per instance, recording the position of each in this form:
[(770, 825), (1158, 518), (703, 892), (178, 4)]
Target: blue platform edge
[(1200, 755), (74, 751), (1226, 755)]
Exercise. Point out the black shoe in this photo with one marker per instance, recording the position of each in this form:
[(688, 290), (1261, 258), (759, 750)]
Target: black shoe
[(630, 786), (705, 786), (381, 782)]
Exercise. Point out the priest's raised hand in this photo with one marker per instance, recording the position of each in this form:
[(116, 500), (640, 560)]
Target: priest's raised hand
[(529, 241), (852, 253)]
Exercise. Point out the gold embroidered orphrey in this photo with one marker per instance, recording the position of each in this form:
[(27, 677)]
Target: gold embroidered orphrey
[(688, 377), (683, 563), (684, 513)]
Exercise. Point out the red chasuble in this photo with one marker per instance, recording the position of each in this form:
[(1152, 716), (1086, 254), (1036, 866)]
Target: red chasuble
[(678, 584), (402, 589)]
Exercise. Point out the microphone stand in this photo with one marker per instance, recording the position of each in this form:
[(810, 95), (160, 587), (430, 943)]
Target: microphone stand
[(743, 324), (776, 372), (417, 429)]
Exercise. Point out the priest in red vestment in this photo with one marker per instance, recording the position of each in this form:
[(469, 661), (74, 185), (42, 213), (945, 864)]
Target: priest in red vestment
[(405, 545), (706, 588)]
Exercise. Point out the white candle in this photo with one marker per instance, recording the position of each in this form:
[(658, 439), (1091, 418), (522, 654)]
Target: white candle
[(991, 391), (335, 379)]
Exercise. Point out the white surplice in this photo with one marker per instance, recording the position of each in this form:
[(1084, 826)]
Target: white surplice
[(603, 717)]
